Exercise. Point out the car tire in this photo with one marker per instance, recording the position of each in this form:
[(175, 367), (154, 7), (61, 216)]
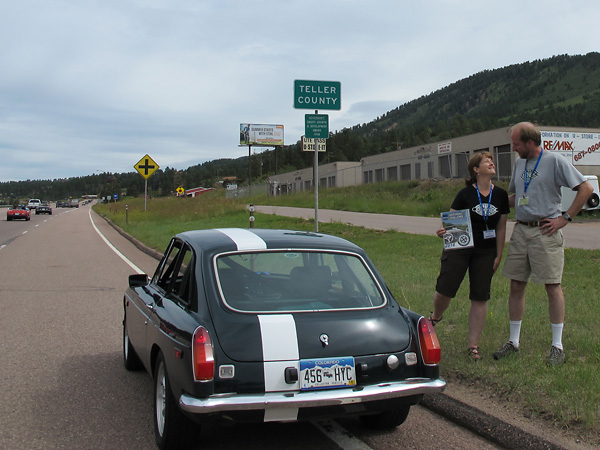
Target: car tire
[(387, 419), (172, 429), (131, 360)]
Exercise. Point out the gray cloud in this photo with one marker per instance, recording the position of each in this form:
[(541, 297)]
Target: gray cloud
[(90, 85)]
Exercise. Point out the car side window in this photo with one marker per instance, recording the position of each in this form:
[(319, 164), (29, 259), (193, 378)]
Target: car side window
[(175, 276), (182, 284)]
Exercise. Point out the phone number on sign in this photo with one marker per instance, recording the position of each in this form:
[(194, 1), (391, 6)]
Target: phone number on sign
[(590, 150)]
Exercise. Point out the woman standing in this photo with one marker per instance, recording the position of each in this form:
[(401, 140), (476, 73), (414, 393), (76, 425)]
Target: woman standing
[(489, 208)]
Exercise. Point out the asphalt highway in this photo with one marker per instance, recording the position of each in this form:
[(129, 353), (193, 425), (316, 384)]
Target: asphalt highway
[(62, 376), (64, 385)]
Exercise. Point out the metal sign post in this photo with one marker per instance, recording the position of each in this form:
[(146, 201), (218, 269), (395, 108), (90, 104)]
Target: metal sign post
[(316, 182), (146, 167), (309, 94)]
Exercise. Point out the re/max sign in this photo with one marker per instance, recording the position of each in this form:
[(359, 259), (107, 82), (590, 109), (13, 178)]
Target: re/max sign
[(558, 145)]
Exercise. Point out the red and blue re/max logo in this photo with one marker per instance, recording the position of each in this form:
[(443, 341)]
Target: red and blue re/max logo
[(558, 145)]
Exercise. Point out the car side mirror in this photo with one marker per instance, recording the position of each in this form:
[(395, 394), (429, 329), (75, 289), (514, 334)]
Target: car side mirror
[(138, 280)]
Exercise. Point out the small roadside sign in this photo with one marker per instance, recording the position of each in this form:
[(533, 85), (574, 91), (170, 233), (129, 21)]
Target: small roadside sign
[(146, 167), (308, 145), (180, 190), (316, 126)]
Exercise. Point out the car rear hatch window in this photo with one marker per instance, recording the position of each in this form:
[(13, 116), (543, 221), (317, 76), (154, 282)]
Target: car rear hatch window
[(296, 281)]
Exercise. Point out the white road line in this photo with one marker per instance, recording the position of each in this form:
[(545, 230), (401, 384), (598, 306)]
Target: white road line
[(338, 434), (24, 232), (112, 247)]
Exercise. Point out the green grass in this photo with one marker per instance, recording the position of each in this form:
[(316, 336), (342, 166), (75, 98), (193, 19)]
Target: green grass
[(411, 198), (569, 395)]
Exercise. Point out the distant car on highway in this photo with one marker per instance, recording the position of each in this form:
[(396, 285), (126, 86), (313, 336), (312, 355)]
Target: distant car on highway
[(254, 325), (18, 212), (44, 208), (33, 203)]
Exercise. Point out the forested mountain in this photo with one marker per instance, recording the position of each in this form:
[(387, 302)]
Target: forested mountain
[(561, 91)]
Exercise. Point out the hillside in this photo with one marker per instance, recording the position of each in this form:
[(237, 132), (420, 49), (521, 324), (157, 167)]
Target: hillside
[(563, 91)]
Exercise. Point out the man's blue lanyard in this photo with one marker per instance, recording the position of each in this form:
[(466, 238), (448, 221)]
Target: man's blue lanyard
[(525, 180), (485, 213)]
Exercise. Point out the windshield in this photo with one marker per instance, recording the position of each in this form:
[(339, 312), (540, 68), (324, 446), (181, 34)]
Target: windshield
[(296, 281)]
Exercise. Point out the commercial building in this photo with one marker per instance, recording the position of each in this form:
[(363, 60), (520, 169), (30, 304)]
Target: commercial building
[(445, 159)]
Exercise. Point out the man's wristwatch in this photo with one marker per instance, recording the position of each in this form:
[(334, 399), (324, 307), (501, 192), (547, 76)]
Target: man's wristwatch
[(567, 217)]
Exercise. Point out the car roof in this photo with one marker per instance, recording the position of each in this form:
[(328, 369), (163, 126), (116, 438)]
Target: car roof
[(214, 241)]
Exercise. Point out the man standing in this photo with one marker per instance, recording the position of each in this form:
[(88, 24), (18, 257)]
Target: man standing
[(536, 245)]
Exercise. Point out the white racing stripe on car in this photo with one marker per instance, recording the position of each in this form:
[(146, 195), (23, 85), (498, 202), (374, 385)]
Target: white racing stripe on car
[(280, 350), (244, 239)]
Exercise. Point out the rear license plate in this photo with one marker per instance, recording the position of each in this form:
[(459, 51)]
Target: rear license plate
[(327, 373)]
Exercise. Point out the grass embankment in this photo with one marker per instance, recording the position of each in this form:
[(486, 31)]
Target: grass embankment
[(568, 395)]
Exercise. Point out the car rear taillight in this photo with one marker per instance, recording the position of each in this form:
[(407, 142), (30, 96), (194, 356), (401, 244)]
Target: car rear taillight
[(430, 346), (202, 355)]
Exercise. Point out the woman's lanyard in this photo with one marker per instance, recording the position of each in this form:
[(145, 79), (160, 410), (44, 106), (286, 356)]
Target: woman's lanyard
[(485, 213)]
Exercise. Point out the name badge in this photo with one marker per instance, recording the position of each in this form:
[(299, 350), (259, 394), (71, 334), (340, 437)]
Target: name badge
[(489, 234), (524, 201)]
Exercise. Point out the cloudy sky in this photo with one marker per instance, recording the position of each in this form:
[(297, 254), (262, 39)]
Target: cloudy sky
[(90, 86)]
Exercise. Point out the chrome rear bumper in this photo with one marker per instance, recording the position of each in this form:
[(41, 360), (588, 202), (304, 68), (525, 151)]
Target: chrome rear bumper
[(310, 399)]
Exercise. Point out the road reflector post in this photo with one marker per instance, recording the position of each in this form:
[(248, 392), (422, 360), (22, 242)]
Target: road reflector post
[(251, 209)]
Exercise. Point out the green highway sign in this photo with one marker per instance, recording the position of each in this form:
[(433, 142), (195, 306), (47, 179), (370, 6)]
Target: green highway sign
[(317, 94), (316, 126)]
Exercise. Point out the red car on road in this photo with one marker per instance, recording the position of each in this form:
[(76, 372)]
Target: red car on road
[(18, 212)]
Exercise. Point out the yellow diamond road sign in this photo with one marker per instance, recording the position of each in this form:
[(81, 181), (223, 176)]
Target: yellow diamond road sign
[(146, 166), (180, 190)]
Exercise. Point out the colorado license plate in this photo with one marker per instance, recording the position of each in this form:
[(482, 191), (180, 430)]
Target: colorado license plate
[(327, 373)]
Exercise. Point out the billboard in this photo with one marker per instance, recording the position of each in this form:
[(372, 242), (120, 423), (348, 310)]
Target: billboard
[(265, 135), (582, 149)]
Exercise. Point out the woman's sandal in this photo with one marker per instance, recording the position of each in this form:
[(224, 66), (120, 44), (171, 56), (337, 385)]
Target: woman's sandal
[(474, 353), (434, 321)]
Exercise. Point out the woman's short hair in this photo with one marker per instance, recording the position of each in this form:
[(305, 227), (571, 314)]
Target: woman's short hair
[(475, 161)]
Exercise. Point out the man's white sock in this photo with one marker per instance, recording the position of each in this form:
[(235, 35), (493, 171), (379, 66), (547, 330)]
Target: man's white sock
[(515, 332)]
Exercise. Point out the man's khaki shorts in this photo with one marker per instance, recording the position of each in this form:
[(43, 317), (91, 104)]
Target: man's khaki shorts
[(533, 254)]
